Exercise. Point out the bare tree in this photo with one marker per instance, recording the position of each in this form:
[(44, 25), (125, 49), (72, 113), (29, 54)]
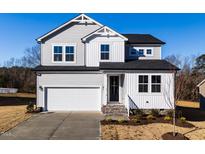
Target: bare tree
[(32, 57)]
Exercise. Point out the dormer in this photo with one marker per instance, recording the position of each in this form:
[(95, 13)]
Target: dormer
[(142, 46), (104, 45)]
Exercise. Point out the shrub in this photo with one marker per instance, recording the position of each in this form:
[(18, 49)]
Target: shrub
[(167, 118), (108, 118), (170, 113), (179, 113), (150, 117), (183, 119), (31, 107), (121, 120), (138, 112), (155, 112), (136, 120)]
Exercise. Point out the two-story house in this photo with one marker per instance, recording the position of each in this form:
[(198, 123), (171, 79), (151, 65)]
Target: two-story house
[(86, 66)]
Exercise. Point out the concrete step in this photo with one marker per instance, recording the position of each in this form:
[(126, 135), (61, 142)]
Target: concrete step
[(115, 110)]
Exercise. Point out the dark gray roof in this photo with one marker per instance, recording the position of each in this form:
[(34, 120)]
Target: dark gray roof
[(142, 39), (139, 65), (65, 68), (131, 65)]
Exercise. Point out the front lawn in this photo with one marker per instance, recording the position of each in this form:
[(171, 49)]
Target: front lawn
[(189, 104), (10, 116)]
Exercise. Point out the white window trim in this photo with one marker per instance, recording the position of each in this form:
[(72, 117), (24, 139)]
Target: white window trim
[(64, 53), (110, 48), (53, 54), (145, 51), (149, 55)]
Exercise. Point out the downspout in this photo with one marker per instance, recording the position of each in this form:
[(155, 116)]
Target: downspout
[(84, 53)]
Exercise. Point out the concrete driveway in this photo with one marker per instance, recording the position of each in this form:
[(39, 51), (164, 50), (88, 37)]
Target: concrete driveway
[(58, 126)]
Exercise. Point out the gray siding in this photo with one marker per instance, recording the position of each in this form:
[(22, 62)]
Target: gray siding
[(156, 52), (72, 35)]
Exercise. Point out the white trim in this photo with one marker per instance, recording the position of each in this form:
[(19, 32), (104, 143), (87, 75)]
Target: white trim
[(70, 86), (67, 23), (53, 54), (145, 51), (105, 28), (110, 48), (46, 87), (64, 53), (108, 88), (201, 83)]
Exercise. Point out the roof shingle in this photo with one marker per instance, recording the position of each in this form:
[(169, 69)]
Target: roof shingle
[(142, 39), (131, 65)]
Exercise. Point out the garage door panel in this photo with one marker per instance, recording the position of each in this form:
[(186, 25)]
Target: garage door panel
[(73, 99)]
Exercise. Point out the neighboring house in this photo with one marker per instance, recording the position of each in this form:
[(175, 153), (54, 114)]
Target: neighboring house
[(8, 90), (201, 87), (86, 66)]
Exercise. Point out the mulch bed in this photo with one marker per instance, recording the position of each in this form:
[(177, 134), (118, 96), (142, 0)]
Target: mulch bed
[(144, 121), (178, 136)]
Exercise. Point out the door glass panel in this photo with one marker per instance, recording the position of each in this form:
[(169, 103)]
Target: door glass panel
[(114, 88)]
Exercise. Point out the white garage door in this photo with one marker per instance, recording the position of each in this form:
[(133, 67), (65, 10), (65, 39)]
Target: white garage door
[(74, 99)]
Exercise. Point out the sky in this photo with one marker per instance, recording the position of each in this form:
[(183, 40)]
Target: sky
[(184, 34)]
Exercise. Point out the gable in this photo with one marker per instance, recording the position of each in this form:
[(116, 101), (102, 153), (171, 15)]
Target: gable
[(81, 19), (104, 31)]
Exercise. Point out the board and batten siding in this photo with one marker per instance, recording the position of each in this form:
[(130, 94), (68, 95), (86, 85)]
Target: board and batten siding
[(117, 48), (163, 100), (71, 35)]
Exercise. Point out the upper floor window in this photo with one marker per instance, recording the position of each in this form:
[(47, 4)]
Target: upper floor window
[(69, 53), (141, 52), (104, 49), (149, 52), (156, 83), (143, 83), (58, 53), (64, 53)]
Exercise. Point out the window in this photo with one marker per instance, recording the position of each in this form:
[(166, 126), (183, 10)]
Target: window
[(156, 83), (69, 53), (105, 48), (58, 53), (141, 52), (149, 51), (133, 51), (143, 83)]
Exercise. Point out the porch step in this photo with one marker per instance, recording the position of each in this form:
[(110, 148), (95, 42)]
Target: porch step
[(115, 110)]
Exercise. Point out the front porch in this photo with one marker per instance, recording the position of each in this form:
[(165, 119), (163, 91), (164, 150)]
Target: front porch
[(114, 94)]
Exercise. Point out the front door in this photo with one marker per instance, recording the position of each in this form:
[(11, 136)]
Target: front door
[(114, 88)]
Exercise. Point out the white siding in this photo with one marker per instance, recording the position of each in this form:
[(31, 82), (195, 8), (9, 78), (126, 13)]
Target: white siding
[(65, 80), (117, 50), (92, 54), (163, 100)]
